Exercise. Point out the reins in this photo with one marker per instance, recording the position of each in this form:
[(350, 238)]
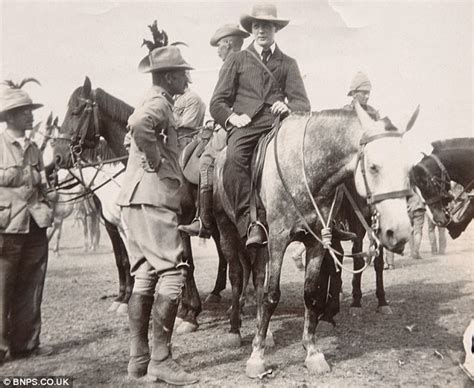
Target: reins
[(326, 237)]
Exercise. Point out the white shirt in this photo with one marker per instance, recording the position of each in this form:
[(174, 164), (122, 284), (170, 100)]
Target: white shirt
[(259, 49)]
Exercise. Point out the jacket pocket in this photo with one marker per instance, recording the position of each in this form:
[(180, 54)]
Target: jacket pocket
[(5, 214)]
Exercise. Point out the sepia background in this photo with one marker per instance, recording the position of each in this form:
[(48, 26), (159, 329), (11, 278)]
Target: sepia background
[(414, 52)]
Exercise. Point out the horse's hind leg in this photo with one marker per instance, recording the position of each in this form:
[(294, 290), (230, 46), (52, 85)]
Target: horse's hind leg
[(315, 301), (190, 306), (383, 306), (215, 294)]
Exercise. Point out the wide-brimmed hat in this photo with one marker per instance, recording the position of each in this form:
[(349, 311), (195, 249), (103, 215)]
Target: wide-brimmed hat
[(163, 59), (360, 83), (12, 96), (263, 11), (227, 30)]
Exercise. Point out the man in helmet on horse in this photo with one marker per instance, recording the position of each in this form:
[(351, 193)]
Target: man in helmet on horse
[(247, 101), (150, 204), (359, 90), (228, 39)]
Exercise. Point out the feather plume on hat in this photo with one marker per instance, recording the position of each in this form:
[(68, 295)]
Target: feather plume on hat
[(13, 96), (161, 54)]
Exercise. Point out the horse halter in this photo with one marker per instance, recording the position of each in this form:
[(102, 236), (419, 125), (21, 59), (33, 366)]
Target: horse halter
[(79, 140), (439, 184)]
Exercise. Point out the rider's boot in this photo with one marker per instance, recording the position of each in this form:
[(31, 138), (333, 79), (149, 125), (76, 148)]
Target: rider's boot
[(162, 366), (202, 224), (139, 309)]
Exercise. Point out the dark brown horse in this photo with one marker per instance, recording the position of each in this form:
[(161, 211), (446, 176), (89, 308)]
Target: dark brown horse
[(450, 160), (296, 181), (94, 113)]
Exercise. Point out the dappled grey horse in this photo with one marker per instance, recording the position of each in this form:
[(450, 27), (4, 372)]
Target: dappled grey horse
[(308, 159)]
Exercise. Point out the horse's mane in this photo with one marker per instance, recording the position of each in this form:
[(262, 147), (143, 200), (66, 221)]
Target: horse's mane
[(455, 143), (346, 115), (115, 108), (112, 106)]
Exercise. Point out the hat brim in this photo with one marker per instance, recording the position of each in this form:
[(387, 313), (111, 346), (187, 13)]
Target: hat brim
[(31, 106), (216, 38), (145, 67), (247, 20)]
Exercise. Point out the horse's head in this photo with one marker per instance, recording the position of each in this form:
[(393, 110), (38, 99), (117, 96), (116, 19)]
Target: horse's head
[(433, 181), (80, 128), (382, 177)]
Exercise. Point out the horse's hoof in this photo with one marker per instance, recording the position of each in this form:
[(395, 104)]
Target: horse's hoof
[(269, 341), (324, 327), (113, 307), (178, 321), (317, 364), (355, 311), (255, 367), (122, 309), (232, 340), (186, 327), (211, 298), (385, 310)]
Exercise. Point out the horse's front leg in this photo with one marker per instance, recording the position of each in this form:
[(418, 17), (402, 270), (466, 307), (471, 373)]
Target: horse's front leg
[(315, 303), (383, 306), (268, 304)]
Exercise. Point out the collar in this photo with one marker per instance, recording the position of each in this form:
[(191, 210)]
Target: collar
[(163, 92), (259, 48), (15, 140)]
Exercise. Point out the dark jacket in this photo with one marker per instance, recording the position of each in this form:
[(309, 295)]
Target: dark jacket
[(244, 87)]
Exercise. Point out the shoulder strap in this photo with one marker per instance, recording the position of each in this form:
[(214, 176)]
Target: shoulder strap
[(272, 77)]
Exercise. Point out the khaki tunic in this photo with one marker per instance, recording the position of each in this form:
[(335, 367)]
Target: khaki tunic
[(21, 175), (151, 199)]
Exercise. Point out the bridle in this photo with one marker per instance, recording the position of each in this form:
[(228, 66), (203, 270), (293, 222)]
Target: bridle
[(439, 184), (88, 122), (372, 200)]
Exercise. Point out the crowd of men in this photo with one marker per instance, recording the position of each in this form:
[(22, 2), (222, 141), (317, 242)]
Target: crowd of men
[(257, 87)]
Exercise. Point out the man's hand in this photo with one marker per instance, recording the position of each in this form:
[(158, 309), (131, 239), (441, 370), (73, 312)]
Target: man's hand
[(279, 108), (239, 121), (149, 167)]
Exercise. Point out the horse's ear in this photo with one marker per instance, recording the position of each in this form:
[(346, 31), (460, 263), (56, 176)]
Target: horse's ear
[(87, 87), (49, 119), (55, 122), (413, 118), (365, 120)]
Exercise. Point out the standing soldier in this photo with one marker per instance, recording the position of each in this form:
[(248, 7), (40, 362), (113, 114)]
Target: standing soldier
[(24, 216), (150, 202), (228, 39), (247, 101)]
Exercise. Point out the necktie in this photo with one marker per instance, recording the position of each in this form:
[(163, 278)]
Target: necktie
[(265, 55)]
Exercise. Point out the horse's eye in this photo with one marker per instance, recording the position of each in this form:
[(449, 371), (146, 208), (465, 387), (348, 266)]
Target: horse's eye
[(374, 169)]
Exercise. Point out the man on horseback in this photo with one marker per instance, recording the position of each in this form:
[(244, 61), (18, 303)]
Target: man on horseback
[(228, 39), (150, 203), (247, 101), (359, 90), (189, 110)]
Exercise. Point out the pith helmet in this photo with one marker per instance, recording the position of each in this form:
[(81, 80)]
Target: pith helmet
[(360, 83)]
